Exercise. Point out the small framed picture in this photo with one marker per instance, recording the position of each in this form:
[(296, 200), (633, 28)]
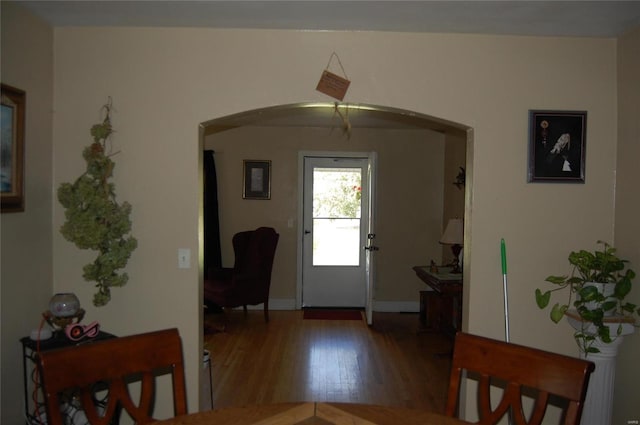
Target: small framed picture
[(557, 146), (12, 149), (257, 179)]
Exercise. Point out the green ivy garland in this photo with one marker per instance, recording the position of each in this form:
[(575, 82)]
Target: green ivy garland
[(94, 219)]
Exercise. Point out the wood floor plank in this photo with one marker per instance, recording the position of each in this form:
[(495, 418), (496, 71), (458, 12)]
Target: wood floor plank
[(291, 360)]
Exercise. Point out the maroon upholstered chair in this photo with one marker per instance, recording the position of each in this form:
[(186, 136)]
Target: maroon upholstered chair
[(248, 282)]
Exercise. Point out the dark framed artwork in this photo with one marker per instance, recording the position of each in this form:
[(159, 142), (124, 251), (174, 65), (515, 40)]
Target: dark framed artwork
[(12, 149), (557, 142), (256, 179)]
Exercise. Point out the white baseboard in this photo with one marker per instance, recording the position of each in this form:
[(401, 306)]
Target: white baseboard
[(381, 306), (276, 304), (282, 304)]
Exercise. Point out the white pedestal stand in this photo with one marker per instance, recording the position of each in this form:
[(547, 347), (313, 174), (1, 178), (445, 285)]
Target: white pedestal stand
[(598, 406)]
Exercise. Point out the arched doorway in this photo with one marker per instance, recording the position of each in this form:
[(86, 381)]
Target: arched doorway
[(347, 120)]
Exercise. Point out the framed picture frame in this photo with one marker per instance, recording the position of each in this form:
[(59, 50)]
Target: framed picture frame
[(256, 182), (12, 149), (557, 146)]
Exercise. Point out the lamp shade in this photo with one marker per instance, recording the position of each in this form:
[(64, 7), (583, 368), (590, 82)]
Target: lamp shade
[(453, 233)]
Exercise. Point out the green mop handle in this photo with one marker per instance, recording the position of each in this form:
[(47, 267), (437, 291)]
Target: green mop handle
[(503, 255)]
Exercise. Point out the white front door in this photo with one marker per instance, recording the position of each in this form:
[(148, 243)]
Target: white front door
[(335, 228), (371, 248)]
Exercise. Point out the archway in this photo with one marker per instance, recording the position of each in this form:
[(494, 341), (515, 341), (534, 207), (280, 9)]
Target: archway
[(327, 114), (336, 116), (371, 117)]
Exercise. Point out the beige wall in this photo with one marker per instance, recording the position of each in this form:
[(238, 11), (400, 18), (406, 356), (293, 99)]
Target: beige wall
[(627, 228), (409, 215), (165, 82), (26, 279)]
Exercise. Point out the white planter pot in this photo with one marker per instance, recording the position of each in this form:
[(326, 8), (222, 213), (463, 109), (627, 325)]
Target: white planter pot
[(606, 289), (598, 405)]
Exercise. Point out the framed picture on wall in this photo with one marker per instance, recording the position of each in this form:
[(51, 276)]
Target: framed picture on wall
[(257, 179), (557, 146), (12, 149)]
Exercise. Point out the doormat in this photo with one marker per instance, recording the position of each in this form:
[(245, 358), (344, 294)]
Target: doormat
[(317, 314)]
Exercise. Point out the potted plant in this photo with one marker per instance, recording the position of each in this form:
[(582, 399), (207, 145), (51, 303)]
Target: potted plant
[(597, 288), (94, 219)]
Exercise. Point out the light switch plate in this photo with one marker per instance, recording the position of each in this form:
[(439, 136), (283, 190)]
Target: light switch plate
[(184, 258)]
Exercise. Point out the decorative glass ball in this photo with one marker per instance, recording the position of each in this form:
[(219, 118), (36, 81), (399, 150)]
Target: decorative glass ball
[(64, 304)]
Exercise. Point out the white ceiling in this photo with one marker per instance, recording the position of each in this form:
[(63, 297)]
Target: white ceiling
[(543, 18)]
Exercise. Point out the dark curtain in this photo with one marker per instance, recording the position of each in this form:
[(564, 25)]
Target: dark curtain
[(212, 255)]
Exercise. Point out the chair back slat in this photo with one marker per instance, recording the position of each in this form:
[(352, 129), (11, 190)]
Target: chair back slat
[(524, 371), (112, 365)]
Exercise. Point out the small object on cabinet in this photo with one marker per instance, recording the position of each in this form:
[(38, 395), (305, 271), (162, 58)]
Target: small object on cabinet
[(76, 332), (432, 267)]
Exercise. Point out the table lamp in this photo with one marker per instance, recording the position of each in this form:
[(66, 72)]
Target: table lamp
[(454, 235)]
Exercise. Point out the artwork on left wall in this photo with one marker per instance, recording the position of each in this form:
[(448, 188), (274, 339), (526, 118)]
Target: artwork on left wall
[(557, 142), (12, 149), (256, 179)]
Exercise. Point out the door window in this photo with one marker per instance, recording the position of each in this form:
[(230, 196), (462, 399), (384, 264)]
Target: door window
[(337, 207)]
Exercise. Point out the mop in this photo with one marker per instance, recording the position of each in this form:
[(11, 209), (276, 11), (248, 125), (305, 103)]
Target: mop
[(503, 255)]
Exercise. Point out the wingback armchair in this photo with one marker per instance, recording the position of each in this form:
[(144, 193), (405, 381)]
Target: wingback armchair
[(248, 282)]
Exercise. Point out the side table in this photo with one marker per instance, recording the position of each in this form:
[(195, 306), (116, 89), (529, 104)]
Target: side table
[(34, 405), (441, 305)]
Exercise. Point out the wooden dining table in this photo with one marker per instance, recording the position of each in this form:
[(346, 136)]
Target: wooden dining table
[(311, 413)]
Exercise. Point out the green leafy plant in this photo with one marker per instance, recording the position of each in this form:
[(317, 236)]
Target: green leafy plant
[(592, 304), (94, 219)]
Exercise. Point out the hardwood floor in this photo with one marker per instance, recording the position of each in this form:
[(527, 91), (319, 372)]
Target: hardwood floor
[(290, 359)]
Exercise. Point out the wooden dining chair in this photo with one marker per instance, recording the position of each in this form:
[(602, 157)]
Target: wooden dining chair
[(81, 372), (520, 372)]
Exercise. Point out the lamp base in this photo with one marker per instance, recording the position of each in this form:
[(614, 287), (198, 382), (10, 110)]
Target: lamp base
[(455, 264)]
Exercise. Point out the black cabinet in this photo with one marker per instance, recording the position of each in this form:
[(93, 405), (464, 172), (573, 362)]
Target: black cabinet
[(33, 395)]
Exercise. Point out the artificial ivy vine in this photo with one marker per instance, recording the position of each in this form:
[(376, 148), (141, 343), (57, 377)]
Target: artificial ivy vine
[(94, 219)]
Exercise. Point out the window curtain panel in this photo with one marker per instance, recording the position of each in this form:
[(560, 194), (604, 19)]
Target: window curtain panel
[(212, 254)]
